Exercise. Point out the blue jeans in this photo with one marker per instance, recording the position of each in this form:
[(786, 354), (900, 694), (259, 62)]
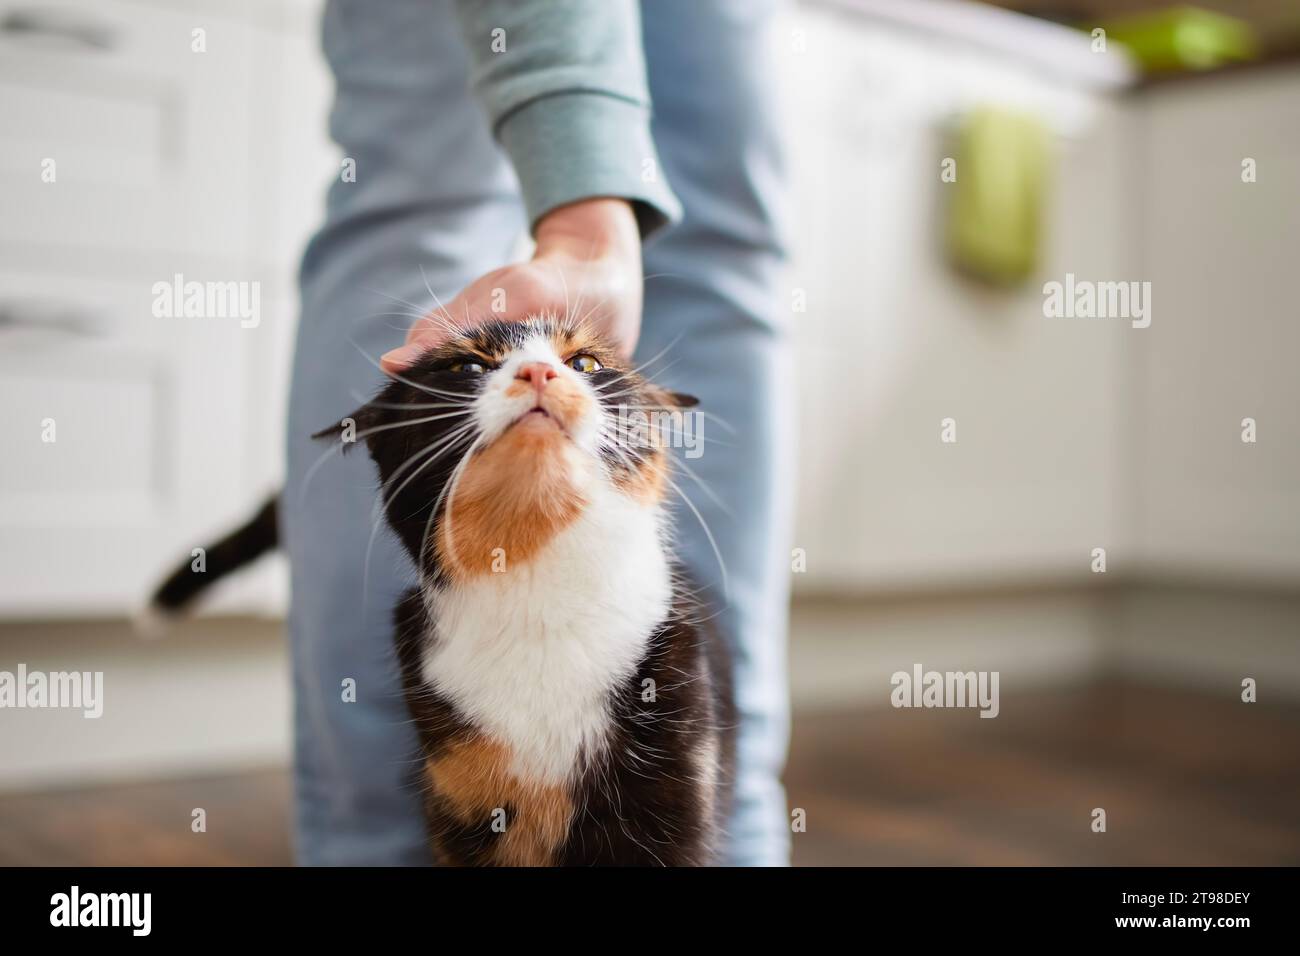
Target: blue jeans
[(434, 199)]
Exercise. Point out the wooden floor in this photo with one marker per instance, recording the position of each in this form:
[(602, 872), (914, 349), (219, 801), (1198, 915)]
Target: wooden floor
[(1183, 778)]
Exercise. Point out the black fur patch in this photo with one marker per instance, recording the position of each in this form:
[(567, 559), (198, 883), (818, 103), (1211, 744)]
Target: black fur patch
[(242, 546)]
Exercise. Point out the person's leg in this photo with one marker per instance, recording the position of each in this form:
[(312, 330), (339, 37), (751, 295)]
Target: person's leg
[(712, 302), (433, 198)]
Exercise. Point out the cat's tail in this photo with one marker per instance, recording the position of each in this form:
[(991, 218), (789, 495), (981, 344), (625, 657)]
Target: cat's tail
[(206, 565)]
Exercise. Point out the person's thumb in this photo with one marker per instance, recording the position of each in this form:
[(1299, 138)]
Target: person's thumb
[(397, 360), (426, 333)]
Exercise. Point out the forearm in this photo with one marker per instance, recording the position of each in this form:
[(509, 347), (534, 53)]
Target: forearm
[(563, 84)]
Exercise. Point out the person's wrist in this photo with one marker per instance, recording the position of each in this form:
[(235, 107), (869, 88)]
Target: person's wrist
[(598, 243), (589, 229)]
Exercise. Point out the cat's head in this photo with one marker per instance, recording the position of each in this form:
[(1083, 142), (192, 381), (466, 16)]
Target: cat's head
[(497, 440)]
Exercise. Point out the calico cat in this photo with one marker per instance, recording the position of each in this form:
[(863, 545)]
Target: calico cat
[(572, 704)]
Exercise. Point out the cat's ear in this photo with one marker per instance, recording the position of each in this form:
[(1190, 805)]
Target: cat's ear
[(666, 398), (350, 427)]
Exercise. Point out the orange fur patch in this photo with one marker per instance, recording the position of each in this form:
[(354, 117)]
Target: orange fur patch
[(562, 399), (515, 495), (566, 402), (473, 776), (647, 481)]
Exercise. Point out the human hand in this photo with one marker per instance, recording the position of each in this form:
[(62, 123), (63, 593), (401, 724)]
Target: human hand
[(587, 261)]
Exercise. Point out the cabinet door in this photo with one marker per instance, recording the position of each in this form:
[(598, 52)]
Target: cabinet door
[(1220, 252), (893, 342), (166, 430), (123, 435)]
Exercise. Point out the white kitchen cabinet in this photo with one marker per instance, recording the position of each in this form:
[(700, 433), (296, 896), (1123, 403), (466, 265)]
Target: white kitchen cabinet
[(893, 341), (146, 417), (1221, 254), (1071, 434), (148, 136), (210, 165)]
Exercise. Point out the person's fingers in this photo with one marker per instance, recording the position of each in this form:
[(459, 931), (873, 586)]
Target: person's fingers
[(507, 295), (428, 332), (398, 360), (436, 325), (518, 291)]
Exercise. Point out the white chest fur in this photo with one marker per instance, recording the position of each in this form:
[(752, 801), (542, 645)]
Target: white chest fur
[(531, 654)]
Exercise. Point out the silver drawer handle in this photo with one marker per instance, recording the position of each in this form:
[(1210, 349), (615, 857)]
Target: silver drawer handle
[(51, 315), (60, 25)]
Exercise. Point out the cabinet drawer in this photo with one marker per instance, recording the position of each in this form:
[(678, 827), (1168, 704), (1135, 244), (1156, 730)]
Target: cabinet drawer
[(118, 134), (126, 437)]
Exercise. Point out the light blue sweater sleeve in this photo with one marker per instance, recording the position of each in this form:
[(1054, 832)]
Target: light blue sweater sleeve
[(563, 83)]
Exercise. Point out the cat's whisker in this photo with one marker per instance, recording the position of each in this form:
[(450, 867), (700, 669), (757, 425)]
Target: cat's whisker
[(717, 553), (434, 451), (441, 314), (375, 362), (409, 422), (622, 455), (583, 320), (673, 442), (402, 378), (658, 355), (710, 416), (400, 314), (664, 275), (400, 406), (565, 283), (319, 463), (672, 430), (634, 387), (420, 309), (438, 444), (447, 492), (650, 378), (569, 313), (679, 463)]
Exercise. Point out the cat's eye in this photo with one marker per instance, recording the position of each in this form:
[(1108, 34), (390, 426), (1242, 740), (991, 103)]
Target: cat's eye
[(469, 368), (584, 363)]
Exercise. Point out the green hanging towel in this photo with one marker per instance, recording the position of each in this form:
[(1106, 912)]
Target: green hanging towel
[(995, 213)]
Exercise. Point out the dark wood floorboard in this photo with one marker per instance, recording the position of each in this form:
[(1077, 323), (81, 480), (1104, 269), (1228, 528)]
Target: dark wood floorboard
[(1184, 779)]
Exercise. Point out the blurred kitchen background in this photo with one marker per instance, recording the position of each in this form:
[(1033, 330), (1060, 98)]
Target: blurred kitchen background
[(1165, 149)]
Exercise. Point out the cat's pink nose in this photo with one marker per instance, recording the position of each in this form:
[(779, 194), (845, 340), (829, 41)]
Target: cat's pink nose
[(539, 373)]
